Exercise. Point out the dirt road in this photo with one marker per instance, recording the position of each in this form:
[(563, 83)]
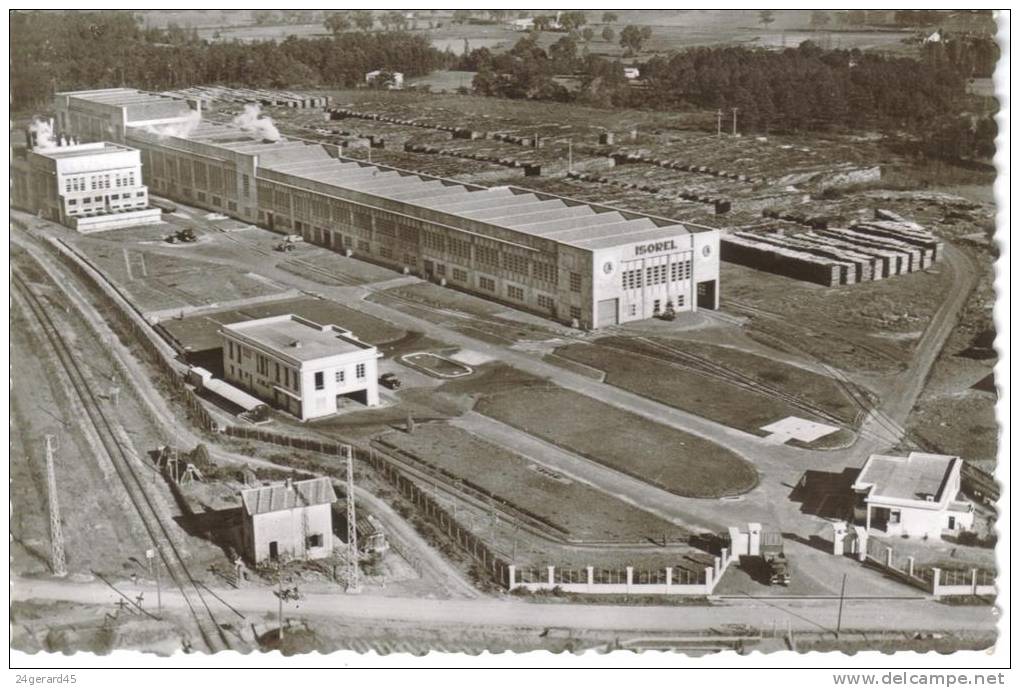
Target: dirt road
[(802, 615)]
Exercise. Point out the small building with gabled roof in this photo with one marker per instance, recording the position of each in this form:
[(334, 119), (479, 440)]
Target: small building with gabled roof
[(288, 520), (913, 495)]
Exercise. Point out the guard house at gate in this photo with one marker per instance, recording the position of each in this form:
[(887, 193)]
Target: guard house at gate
[(304, 368), (291, 520), (912, 495)]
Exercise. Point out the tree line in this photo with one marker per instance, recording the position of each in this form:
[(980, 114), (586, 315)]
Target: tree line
[(789, 90), (55, 51)]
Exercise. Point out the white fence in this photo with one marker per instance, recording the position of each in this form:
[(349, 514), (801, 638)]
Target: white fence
[(667, 581), (973, 582)]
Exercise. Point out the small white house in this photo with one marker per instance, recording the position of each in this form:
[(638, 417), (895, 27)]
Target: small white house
[(291, 520), (396, 79), (912, 495), (524, 24), (307, 369)]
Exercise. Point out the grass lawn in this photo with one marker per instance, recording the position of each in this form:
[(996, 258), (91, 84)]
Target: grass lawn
[(582, 512), (651, 373), (668, 458)]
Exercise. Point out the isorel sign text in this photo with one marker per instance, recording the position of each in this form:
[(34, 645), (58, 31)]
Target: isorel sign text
[(657, 247)]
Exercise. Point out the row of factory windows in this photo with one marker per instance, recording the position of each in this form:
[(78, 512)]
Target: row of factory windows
[(115, 202), (655, 274), (283, 375), (200, 175), (486, 254), (94, 182)]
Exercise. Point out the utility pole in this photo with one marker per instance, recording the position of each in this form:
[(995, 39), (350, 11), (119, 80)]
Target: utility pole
[(279, 599), (718, 131), (353, 579), (570, 155), (150, 554), (734, 121), (839, 617), (57, 560)]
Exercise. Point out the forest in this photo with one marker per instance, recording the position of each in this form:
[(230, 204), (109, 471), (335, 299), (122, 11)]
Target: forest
[(790, 90), (53, 51), (796, 89)]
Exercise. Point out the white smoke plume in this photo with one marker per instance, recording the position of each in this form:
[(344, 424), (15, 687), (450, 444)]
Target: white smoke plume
[(43, 131), (251, 121), (181, 129)]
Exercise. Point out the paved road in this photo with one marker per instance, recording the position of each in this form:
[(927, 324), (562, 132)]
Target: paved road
[(802, 615)]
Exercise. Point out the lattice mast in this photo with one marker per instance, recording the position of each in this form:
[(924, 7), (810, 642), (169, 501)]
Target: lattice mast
[(353, 576), (57, 560)]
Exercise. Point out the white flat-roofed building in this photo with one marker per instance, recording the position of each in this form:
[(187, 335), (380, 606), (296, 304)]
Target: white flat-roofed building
[(291, 520), (913, 495), (302, 367), (88, 186)]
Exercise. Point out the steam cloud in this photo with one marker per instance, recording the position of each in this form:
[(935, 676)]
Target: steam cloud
[(43, 131), (181, 129), (251, 121)]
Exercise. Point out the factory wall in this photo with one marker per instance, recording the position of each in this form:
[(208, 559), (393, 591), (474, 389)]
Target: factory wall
[(199, 174)]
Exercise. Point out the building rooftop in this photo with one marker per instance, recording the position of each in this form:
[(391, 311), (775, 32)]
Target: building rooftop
[(915, 477), (81, 150), (296, 337), (286, 496), (543, 215), (141, 106)]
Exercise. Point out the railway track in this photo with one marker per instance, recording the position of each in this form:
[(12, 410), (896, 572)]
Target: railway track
[(211, 632)]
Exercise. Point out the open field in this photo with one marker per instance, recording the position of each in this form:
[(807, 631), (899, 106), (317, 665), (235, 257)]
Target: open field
[(872, 326), (681, 380), (155, 281), (581, 511), (671, 459)]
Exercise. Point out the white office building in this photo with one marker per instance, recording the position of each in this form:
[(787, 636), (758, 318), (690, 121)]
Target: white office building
[(88, 186), (307, 369)]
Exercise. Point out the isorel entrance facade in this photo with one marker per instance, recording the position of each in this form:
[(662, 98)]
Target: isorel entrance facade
[(646, 279)]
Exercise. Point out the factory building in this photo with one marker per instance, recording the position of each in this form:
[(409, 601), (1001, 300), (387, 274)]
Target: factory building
[(89, 187), (306, 369), (291, 520), (585, 264)]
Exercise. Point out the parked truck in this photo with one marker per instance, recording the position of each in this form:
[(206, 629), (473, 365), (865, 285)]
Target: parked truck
[(777, 565)]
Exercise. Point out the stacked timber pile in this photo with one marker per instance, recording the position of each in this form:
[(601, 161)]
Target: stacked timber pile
[(531, 169), (457, 132), (206, 94), (721, 205), (866, 251), (625, 158)]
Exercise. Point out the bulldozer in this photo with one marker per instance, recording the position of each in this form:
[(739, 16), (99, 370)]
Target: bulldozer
[(182, 236)]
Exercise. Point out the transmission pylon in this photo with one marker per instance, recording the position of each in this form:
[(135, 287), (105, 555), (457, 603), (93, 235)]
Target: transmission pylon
[(353, 576), (57, 560)]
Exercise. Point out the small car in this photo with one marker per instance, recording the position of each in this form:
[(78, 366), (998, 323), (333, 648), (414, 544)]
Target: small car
[(390, 381)]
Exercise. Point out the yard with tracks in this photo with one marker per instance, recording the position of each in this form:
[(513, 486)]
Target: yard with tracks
[(732, 387)]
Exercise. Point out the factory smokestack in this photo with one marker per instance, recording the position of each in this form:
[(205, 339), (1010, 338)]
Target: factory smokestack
[(251, 121)]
